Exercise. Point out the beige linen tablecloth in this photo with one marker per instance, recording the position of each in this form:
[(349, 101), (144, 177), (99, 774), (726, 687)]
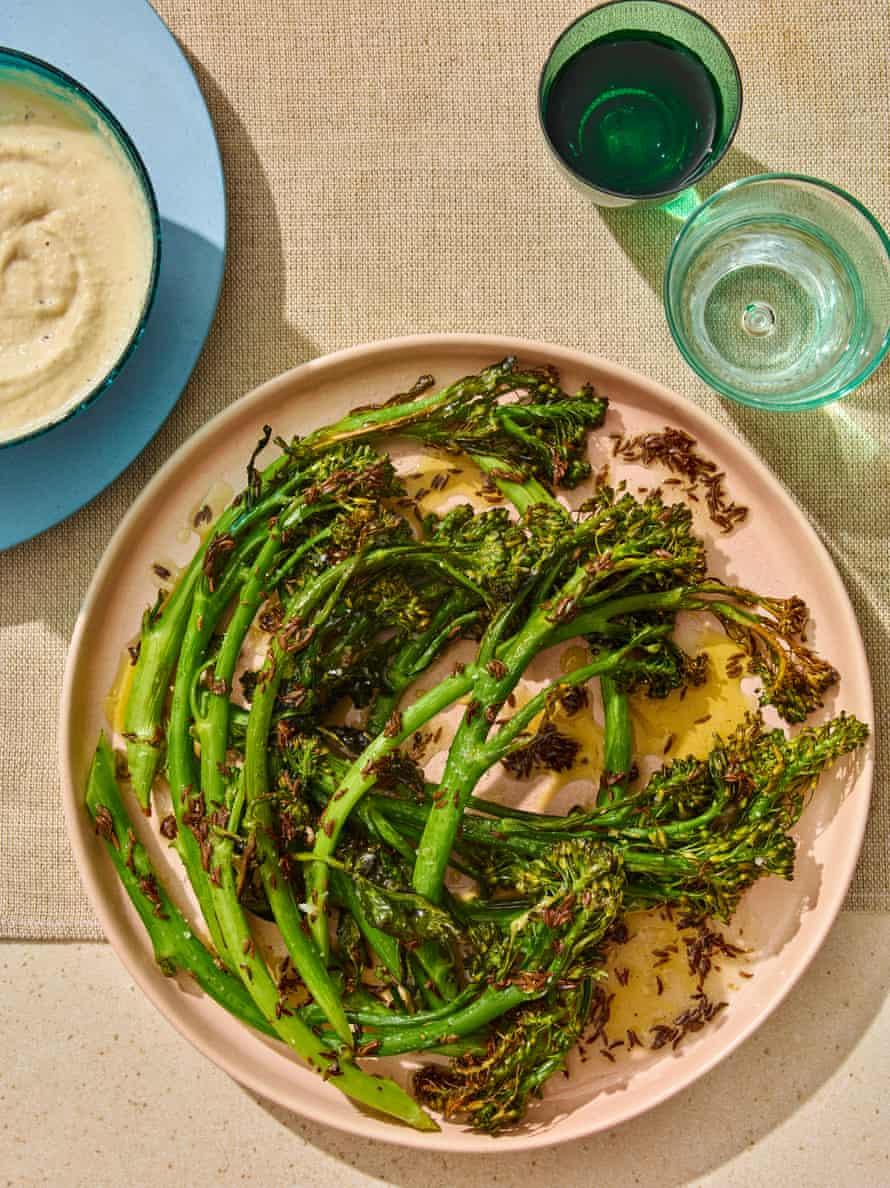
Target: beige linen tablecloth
[(386, 176)]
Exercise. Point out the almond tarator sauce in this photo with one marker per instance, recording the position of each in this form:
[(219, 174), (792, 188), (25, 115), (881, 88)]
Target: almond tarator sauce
[(76, 254)]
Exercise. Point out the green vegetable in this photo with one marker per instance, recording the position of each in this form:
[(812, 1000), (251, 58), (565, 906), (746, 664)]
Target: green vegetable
[(333, 833), (176, 948)]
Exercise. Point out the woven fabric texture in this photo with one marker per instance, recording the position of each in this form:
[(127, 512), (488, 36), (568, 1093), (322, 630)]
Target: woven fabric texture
[(386, 175)]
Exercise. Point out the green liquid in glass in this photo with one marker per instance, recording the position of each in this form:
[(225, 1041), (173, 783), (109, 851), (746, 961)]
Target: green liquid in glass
[(634, 113)]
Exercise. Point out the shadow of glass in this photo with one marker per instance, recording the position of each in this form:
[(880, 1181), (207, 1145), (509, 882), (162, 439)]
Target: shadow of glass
[(646, 233), (841, 459)]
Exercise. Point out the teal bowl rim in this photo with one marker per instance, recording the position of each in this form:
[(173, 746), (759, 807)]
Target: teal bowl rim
[(110, 120), (712, 163), (725, 390)]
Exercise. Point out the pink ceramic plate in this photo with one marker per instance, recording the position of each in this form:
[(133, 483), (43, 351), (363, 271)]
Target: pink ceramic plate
[(774, 551)]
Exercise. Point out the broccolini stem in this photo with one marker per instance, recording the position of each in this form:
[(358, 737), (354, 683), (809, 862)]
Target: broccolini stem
[(182, 774), (175, 945), (377, 1092), (467, 757), (460, 1022), (299, 608), (617, 748), (212, 728), (470, 756), (375, 1014), (386, 947), (417, 654), (306, 958), (407, 413), (381, 827), (213, 735), (161, 637), (522, 494), (159, 646), (502, 742)]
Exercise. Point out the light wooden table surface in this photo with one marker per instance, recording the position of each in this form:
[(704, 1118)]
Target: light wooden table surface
[(97, 1089)]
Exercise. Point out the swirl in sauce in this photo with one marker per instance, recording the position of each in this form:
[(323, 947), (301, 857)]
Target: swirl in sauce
[(76, 253)]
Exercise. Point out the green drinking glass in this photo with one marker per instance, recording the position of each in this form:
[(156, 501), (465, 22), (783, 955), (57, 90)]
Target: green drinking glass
[(638, 100), (777, 292)]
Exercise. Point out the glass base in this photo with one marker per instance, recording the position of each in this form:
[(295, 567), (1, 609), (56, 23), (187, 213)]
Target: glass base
[(778, 291), (772, 307)]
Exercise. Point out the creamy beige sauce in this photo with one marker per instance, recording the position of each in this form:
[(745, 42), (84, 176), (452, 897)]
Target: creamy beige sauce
[(76, 253)]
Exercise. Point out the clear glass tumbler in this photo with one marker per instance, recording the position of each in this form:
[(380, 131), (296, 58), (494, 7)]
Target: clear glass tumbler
[(638, 100), (777, 292)]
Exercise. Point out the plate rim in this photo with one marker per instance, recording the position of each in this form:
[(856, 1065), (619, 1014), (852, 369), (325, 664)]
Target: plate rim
[(130, 945)]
